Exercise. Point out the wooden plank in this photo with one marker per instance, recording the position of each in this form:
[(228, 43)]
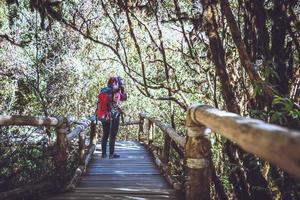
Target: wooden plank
[(132, 176), (128, 153), (139, 165), (116, 197), (122, 166), (145, 172), (126, 184), (125, 159), (120, 161), (124, 162), (121, 190), (122, 177), (149, 180)]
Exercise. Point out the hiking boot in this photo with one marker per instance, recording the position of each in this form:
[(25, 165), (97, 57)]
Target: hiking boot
[(111, 156), (103, 156)]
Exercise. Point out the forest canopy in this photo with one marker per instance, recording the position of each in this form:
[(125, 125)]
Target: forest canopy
[(242, 56)]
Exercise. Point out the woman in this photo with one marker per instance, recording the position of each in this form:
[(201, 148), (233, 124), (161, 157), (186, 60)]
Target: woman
[(108, 112)]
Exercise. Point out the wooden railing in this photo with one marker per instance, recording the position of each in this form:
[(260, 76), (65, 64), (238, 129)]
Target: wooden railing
[(63, 137), (278, 145), (171, 139)]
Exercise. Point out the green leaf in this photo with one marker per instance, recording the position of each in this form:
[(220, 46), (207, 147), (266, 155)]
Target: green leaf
[(276, 117)]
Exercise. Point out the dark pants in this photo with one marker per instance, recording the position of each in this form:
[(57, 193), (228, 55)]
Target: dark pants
[(111, 134)]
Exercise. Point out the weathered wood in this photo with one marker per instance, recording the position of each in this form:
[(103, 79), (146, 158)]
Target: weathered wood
[(197, 160), (17, 120), (132, 176), (157, 160), (150, 132), (166, 149), (141, 128), (147, 129), (81, 147), (82, 167), (153, 131), (177, 149), (166, 128), (28, 191), (117, 193), (280, 146), (82, 125), (61, 156), (129, 123), (93, 133), (79, 171), (89, 156), (164, 168)]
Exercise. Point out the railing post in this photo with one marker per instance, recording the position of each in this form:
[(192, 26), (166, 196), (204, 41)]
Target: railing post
[(147, 130), (153, 131), (197, 161), (150, 133), (61, 156), (166, 149), (81, 147), (141, 128), (93, 133)]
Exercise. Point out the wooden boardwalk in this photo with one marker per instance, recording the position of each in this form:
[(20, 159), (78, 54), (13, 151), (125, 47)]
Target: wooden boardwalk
[(132, 176)]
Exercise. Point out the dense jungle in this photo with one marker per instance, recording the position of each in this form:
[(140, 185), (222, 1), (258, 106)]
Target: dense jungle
[(241, 56)]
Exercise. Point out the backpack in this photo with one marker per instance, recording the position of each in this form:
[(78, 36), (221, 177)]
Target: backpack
[(103, 105)]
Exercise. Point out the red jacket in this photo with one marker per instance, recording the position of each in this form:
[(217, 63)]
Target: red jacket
[(108, 101)]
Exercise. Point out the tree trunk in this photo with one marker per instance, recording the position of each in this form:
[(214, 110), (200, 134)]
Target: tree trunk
[(218, 184), (263, 39), (218, 55), (218, 58), (250, 37), (237, 176), (244, 57), (279, 80)]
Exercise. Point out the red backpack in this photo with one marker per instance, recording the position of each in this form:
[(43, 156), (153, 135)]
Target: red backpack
[(103, 105)]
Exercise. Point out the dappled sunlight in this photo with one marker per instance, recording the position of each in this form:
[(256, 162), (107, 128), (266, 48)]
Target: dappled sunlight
[(210, 95)]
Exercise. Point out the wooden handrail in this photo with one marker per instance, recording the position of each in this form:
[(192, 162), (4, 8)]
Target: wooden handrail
[(64, 137), (280, 146), (128, 123), (273, 143), (81, 126), (84, 160), (171, 140), (81, 168), (166, 128), (62, 126), (18, 120)]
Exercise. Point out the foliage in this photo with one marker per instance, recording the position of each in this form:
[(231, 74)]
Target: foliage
[(284, 112), (55, 56), (22, 162)]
